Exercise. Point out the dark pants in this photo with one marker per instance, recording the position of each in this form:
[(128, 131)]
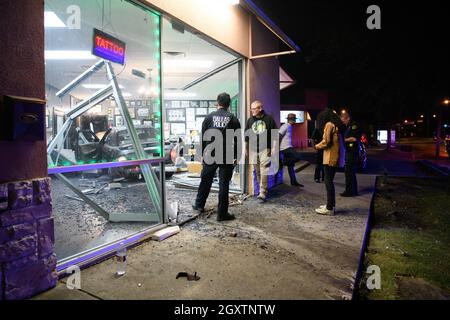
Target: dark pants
[(351, 184), (290, 157), (319, 173), (330, 172), (207, 176)]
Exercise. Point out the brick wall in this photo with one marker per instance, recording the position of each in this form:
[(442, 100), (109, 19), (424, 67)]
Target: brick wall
[(27, 262)]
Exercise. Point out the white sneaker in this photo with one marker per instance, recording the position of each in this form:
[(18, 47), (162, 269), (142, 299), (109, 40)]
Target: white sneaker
[(323, 206), (325, 211)]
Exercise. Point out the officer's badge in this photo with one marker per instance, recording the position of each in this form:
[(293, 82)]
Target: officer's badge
[(355, 127)]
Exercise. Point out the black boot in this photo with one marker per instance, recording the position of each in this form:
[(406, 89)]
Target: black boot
[(198, 209), (226, 217)]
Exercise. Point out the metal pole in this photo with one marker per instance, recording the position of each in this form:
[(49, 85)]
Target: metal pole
[(147, 171), (74, 83)]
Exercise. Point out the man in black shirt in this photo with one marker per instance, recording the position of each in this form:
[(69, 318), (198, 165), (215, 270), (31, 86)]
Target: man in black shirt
[(261, 125), (221, 120)]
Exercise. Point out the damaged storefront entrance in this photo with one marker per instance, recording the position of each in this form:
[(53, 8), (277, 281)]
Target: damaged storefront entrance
[(119, 144), (106, 152)]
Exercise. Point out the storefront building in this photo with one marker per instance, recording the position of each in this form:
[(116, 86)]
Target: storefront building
[(114, 85)]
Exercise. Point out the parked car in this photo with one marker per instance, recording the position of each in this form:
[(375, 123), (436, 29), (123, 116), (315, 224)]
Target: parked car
[(116, 146)]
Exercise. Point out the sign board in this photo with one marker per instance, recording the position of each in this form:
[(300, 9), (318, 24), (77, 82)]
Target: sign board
[(107, 47), (382, 136), (299, 114)]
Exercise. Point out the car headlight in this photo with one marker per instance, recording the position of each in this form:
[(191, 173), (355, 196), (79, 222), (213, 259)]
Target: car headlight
[(122, 159)]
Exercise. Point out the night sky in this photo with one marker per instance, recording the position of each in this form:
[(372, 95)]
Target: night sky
[(382, 76)]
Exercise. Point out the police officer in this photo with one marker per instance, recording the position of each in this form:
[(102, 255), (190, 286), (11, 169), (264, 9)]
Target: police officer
[(221, 120), (352, 139)]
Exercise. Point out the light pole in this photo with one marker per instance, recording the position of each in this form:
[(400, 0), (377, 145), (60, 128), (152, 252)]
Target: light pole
[(446, 102)]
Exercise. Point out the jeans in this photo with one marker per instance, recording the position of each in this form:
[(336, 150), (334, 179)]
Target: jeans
[(330, 172), (319, 173), (290, 157), (261, 161), (351, 184), (207, 177)]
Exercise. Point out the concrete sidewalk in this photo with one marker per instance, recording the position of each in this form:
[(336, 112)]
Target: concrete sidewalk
[(279, 250)]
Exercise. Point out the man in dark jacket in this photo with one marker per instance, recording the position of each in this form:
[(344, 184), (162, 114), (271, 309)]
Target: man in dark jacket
[(221, 121), (352, 140)]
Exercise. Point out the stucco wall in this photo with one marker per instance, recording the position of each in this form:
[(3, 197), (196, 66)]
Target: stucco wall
[(263, 76), (219, 20), (264, 73), (22, 74)]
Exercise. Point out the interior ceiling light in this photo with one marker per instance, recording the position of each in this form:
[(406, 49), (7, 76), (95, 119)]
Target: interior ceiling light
[(180, 95), (68, 55), (175, 53), (188, 63), (51, 20)]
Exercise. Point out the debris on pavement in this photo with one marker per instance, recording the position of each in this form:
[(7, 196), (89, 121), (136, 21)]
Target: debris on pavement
[(165, 233), (115, 186), (73, 198), (190, 277)]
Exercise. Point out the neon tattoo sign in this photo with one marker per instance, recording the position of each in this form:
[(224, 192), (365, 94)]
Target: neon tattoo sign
[(109, 48)]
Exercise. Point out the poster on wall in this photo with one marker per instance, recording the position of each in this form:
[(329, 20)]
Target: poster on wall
[(176, 104), (191, 125), (204, 104), (166, 129), (176, 115), (194, 104), (190, 115), (137, 122), (132, 112), (148, 123), (199, 123), (202, 111), (185, 104), (178, 129), (143, 112), (119, 121)]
